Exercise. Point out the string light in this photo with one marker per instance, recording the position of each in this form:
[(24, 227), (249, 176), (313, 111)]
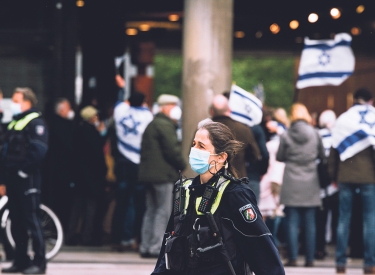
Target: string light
[(80, 3), (335, 13), (294, 24), (356, 31), (144, 27), (360, 9), (239, 34), (274, 28), (131, 31), (173, 17), (313, 17), (258, 34)]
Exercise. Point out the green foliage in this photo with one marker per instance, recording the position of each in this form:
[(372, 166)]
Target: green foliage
[(168, 75), (275, 73)]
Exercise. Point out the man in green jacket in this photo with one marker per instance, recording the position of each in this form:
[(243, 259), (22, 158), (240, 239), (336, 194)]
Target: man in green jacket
[(161, 159)]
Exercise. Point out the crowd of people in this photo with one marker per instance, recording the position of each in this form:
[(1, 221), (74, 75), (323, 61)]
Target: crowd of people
[(112, 179)]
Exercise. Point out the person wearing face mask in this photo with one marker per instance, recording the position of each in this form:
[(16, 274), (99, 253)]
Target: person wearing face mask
[(25, 147), (89, 177), (161, 159), (59, 164), (216, 227)]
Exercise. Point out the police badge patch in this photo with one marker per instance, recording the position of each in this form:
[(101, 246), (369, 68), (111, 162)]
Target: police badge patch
[(248, 213), (39, 129)]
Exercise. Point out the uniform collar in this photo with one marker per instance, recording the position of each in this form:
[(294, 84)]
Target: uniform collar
[(25, 113)]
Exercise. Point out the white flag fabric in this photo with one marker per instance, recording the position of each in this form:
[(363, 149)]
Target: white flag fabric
[(354, 131), (326, 62), (246, 107)]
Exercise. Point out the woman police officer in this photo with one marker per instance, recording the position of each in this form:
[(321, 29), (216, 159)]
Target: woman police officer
[(216, 227)]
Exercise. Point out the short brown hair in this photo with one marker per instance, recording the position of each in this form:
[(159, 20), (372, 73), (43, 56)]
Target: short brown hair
[(299, 112), (28, 95)]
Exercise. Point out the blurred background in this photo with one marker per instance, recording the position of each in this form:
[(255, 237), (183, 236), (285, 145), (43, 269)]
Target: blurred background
[(67, 48)]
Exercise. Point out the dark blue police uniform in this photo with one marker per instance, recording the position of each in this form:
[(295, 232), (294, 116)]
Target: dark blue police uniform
[(248, 241), (24, 148)]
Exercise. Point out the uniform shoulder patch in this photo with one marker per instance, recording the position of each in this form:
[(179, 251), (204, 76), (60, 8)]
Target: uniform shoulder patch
[(248, 213), (39, 129)]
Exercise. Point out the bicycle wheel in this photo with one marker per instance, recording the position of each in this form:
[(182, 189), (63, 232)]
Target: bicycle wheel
[(52, 231)]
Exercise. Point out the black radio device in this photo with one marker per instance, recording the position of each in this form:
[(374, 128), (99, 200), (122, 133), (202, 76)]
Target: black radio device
[(208, 198), (179, 197)]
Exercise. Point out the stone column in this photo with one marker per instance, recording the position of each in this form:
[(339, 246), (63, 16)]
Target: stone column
[(207, 59)]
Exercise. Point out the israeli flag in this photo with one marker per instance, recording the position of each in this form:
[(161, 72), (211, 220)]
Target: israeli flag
[(326, 62), (246, 107), (354, 131)]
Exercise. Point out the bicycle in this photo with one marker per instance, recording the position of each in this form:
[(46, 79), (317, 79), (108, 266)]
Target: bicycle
[(51, 227)]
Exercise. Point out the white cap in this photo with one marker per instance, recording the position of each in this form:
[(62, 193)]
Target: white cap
[(167, 99)]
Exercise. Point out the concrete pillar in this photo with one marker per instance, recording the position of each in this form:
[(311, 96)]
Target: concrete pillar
[(207, 59)]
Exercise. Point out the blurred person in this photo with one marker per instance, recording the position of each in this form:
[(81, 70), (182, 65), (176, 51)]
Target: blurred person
[(8, 249), (26, 143), (161, 159), (351, 165), (266, 118), (131, 119), (60, 161), (299, 148), (90, 178), (329, 194), (220, 112), (256, 170), (241, 241), (270, 185)]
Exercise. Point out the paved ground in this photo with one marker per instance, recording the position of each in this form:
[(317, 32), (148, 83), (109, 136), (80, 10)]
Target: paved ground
[(101, 260)]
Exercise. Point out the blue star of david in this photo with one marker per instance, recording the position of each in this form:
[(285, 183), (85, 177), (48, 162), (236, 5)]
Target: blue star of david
[(129, 125), (324, 58), (248, 108), (363, 120)]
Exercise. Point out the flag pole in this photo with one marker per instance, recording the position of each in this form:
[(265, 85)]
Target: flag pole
[(295, 95)]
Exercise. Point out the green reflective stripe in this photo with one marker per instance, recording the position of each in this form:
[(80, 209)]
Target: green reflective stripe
[(20, 124), (10, 126), (216, 203)]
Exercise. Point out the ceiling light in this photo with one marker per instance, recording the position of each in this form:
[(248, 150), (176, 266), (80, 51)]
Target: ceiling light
[(274, 28), (360, 9), (335, 13), (293, 24), (173, 17), (144, 27), (313, 17), (258, 34), (356, 31), (131, 31), (239, 34)]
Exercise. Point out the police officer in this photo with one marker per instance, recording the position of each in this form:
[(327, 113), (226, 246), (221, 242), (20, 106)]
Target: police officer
[(216, 227), (24, 149)]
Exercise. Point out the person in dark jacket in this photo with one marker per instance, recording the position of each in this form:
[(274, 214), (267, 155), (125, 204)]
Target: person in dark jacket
[(161, 159), (90, 176), (25, 146), (220, 112), (242, 241), (60, 163)]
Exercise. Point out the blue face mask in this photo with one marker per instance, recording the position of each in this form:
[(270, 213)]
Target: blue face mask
[(15, 108), (198, 160)]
